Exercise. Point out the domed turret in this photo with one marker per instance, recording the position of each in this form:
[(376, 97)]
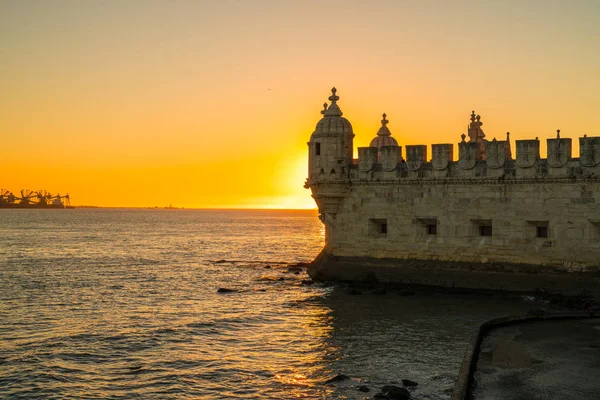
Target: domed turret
[(330, 146), (383, 138), (332, 121)]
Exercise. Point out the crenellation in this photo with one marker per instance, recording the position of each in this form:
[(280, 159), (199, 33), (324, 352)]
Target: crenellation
[(367, 158), (391, 156)]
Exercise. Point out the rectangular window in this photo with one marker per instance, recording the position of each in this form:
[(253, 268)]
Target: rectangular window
[(541, 228), (431, 229), (318, 149), (481, 227), (426, 226), (378, 227), (485, 230), (383, 228)]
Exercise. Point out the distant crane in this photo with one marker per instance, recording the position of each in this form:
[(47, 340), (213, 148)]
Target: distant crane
[(29, 198)]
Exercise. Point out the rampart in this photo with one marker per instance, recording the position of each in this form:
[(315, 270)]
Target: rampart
[(483, 221)]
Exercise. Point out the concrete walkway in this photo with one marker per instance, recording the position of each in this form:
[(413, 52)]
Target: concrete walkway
[(553, 359)]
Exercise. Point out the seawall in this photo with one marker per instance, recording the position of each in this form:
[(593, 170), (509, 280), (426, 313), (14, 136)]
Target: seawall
[(517, 277)]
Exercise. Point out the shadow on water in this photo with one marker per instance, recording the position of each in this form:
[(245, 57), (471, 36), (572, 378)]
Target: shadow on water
[(378, 338)]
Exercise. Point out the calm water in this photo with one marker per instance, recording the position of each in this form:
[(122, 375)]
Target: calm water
[(101, 303)]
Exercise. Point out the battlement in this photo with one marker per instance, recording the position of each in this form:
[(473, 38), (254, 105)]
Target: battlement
[(528, 164)]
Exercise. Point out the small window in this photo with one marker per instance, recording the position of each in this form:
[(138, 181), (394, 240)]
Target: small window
[(485, 230), (541, 231), (318, 149), (378, 227), (383, 228), (541, 228), (426, 226)]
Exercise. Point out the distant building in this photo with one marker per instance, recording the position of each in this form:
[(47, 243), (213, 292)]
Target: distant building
[(484, 221)]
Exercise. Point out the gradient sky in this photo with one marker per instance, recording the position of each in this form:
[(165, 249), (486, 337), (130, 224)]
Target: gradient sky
[(211, 103)]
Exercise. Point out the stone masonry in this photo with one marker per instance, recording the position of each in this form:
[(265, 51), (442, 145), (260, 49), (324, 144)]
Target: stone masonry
[(483, 221)]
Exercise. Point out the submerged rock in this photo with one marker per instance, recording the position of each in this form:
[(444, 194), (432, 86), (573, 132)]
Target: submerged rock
[(295, 269), (409, 383), (337, 378), (364, 389), (267, 267), (381, 396), (226, 290), (308, 282), (395, 392)]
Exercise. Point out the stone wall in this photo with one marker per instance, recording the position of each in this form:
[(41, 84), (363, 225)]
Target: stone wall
[(554, 222), (500, 223)]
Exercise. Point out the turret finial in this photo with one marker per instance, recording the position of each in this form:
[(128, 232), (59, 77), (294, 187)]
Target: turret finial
[(558, 133), (324, 108), (463, 136), (384, 121), (507, 135), (333, 97), (473, 116)]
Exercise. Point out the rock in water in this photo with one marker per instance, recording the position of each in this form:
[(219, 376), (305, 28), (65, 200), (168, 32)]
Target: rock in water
[(364, 389), (307, 282), (381, 396), (395, 392), (225, 290), (337, 378), (295, 269), (409, 383)]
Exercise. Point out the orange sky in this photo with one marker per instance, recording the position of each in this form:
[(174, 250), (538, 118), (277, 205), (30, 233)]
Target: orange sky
[(210, 104)]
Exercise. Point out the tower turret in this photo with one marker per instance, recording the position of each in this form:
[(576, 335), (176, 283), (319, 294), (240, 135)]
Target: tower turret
[(330, 147), (329, 158), (383, 138)]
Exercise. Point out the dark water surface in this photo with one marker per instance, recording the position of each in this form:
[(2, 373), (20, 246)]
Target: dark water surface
[(118, 303)]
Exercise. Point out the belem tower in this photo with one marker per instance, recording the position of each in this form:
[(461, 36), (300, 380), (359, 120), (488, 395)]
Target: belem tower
[(486, 221)]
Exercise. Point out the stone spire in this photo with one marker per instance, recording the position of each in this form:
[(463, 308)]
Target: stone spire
[(384, 130), (383, 138), (476, 134), (333, 110)]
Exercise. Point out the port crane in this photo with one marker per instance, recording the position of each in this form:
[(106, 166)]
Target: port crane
[(29, 198)]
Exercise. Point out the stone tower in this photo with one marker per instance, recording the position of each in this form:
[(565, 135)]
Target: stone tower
[(329, 157)]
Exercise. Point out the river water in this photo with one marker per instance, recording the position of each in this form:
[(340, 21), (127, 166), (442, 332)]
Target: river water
[(123, 303)]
